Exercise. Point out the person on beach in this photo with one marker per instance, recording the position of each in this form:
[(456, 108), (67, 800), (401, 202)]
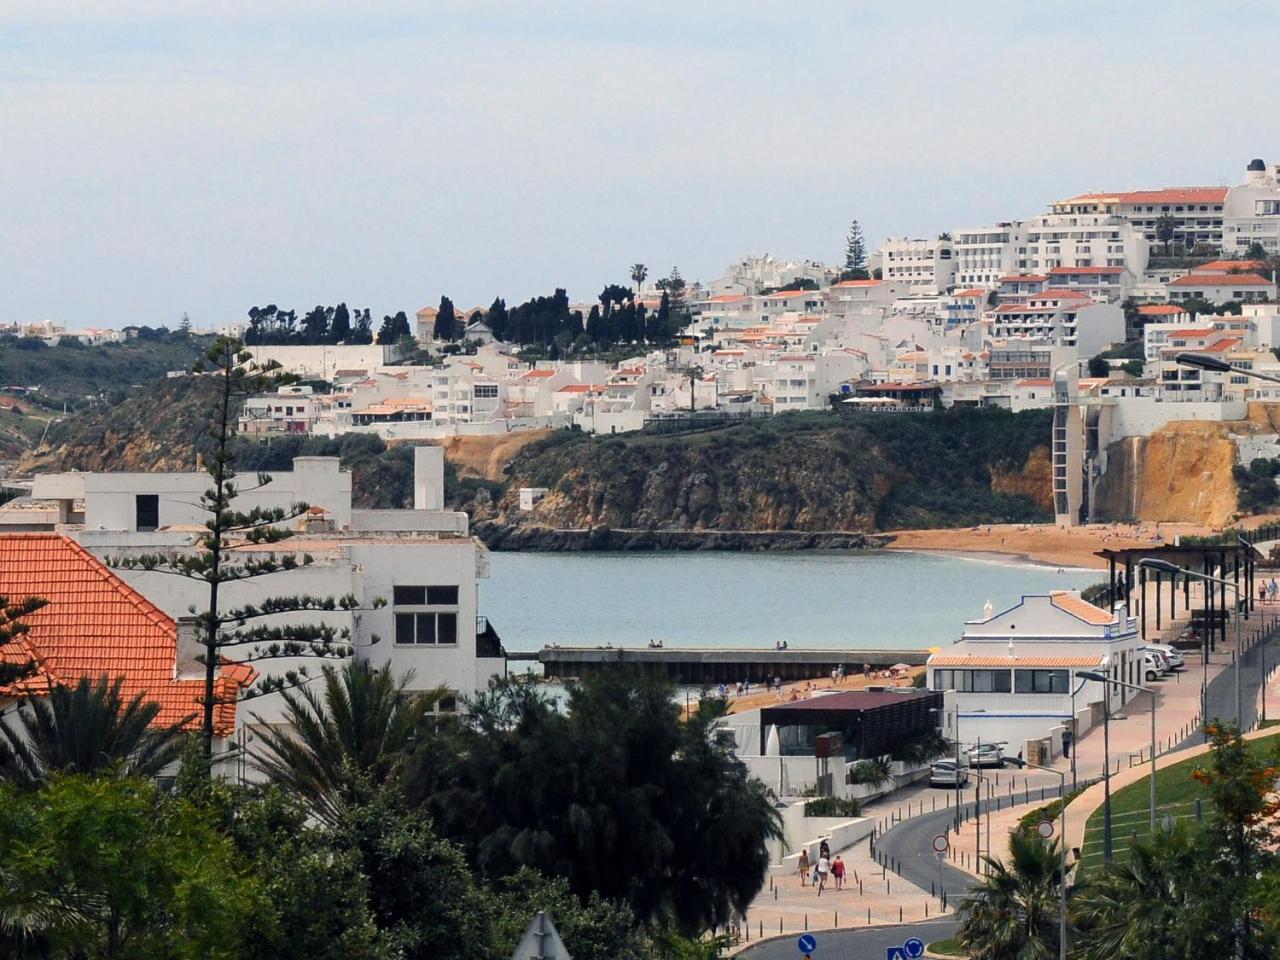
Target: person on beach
[(837, 872), (824, 867), (803, 867)]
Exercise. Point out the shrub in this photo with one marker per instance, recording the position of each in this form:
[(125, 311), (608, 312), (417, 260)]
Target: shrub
[(831, 807), (871, 773)]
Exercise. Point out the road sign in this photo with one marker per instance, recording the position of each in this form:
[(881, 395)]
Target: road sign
[(940, 843), (895, 953), (541, 941), (808, 943), (913, 948), (1045, 828)]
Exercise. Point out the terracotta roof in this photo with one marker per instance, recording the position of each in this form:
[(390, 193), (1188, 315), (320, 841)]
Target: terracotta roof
[(1220, 280), (727, 298), (1193, 331), (93, 624), (1222, 346), (1078, 271), (1080, 609), (788, 293), (1160, 309), (1176, 195), (539, 374), (1033, 277), (1035, 382), (1226, 266), (858, 283), (972, 292), (966, 660)]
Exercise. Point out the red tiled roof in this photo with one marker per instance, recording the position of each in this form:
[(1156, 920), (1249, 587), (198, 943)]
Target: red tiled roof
[(858, 283), (93, 624), (965, 660), (1226, 266), (1220, 280), (1222, 346), (1160, 309), (539, 374), (1080, 609), (1176, 195)]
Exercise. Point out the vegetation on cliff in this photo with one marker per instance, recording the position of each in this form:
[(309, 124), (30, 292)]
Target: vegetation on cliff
[(795, 472)]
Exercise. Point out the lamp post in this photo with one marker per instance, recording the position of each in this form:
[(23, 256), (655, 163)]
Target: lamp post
[(1074, 739), (956, 717), (1106, 759), (1164, 566), (1103, 678), (1062, 842)]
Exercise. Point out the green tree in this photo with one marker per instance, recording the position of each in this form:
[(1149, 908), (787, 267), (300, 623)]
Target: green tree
[(693, 373), (13, 624), (638, 273), (1255, 251), (592, 929), (254, 629), (446, 321), (1166, 228), (113, 869), (394, 328), (855, 248), (364, 722), (1015, 911), (1098, 367), (1135, 368), (340, 325), (88, 729)]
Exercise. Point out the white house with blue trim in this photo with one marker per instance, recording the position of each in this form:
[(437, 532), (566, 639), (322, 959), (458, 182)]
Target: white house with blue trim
[(1010, 678)]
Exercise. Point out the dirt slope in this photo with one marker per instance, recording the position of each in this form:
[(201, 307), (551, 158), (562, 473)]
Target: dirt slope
[(487, 457)]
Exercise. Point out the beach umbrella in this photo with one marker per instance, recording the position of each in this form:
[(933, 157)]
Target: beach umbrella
[(900, 667), (772, 743)]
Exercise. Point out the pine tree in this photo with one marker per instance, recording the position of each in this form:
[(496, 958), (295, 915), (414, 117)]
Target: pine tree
[(13, 614), (496, 318), (216, 561), (340, 326), (855, 249), (446, 321)]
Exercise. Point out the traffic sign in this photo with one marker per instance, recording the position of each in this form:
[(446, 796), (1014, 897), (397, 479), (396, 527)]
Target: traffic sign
[(807, 943), (913, 948), (895, 953), (940, 843), (1045, 828)]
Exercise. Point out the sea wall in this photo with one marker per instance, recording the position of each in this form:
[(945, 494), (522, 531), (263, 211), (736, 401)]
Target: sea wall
[(501, 536)]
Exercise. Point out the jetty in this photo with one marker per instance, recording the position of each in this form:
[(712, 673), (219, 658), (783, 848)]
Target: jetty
[(698, 665)]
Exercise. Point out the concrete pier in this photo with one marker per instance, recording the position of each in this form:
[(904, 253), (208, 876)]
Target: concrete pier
[(716, 664)]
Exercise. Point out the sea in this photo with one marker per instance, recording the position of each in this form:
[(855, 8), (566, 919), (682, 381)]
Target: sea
[(851, 599)]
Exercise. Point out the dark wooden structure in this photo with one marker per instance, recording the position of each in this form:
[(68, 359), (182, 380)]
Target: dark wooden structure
[(1233, 561), (871, 722)]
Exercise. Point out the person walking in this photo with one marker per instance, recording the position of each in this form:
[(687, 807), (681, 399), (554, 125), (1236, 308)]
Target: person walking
[(804, 868), (824, 867), (837, 872)]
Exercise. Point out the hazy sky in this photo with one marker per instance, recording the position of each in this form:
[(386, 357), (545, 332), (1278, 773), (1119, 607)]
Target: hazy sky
[(160, 157)]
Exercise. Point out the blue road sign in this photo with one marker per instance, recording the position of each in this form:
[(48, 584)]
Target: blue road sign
[(895, 953), (808, 943), (913, 948)]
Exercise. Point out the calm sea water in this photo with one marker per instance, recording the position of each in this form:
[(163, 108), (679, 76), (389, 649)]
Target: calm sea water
[(831, 599)]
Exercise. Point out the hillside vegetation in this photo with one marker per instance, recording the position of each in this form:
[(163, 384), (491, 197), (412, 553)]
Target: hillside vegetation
[(805, 472)]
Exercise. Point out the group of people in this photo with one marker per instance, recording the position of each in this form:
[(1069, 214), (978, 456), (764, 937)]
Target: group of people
[(819, 870), (1267, 591)]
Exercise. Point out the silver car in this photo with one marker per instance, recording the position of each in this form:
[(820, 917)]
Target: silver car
[(947, 773)]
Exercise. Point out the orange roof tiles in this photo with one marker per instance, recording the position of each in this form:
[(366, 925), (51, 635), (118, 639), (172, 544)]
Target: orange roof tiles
[(858, 283), (1080, 609), (1223, 345), (966, 660), (973, 292), (539, 374), (1160, 309), (93, 624), (1226, 266), (1175, 195), (1220, 280)]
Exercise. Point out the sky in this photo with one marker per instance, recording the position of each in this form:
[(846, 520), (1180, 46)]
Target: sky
[(202, 157)]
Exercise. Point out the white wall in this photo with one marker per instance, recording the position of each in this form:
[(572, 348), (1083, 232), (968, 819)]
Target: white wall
[(1141, 416), (322, 361)]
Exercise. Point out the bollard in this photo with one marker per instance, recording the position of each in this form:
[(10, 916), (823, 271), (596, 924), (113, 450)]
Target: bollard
[(926, 909), (932, 891), (761, 929), (868, 916), (899, 913), (837, 918), (775, 893), (779, 924), (859, 888), (806, 921)]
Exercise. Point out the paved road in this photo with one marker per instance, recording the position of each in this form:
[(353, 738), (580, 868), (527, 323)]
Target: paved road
[(868, 943), (1222, 689)]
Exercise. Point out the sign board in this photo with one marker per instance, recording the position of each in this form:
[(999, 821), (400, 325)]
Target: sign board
[(541, 942), (807, 944), (1045, 828), (895, 953), (913, 948), (940, 843)]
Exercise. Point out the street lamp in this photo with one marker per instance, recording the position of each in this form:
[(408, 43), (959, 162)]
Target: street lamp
[(1207, 361), (956, 715), (1062, 842), (1103, 678), (1164, 566), (1106, 759)]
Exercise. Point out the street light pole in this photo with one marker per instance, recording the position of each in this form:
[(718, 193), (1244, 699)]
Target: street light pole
[(1062, 844), (1106, 757), (1102, 678)]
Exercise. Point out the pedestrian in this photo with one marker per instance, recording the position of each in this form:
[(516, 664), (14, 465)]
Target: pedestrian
[(837, 871), (804, 868), (866, 671), (1262, 593), (777, 682), (824, 850), (824, 867)]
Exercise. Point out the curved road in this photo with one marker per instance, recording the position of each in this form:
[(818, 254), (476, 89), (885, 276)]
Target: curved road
[(869, 943)]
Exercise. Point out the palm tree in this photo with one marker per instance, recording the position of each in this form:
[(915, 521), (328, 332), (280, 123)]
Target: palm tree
[(87, 729), (360, 728), (1014, 913), (638, 272)]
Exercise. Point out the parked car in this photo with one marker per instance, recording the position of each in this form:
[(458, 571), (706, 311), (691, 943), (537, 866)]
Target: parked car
[(1153, 666), (947, 773), (1171, 654), (986, 755)]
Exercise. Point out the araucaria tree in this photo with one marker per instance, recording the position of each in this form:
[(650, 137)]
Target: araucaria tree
[(224, 553), (13, 614)]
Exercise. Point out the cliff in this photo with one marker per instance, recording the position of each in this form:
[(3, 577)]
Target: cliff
[(814, 473)]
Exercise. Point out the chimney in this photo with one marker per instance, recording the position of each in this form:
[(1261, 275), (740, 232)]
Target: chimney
[(190, 651), (428, 478)]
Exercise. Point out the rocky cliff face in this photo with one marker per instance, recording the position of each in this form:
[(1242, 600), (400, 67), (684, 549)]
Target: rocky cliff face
[(811, 475)]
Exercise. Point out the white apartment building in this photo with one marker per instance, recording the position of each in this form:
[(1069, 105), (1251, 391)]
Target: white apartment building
[(1101, 283), (291, 409), (986, 255), (1251, 213), (866, 297), (805, 381), (1062, 318), (772, 305), (923, 267), (754, 273), (1013, 672), (1220, 288), (422, 562), (1197, 212), (734, 311)]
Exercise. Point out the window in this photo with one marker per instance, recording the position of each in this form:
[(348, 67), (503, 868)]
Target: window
[(425, 615), (486, 391), (147, 511), (972, 681), (1041, 681)]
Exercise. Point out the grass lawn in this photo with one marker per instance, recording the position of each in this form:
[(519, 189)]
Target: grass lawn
[(1176, 796), (945, 948)]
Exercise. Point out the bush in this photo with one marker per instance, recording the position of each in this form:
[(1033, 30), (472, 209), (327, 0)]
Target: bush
[(832, 807), (871, 773)]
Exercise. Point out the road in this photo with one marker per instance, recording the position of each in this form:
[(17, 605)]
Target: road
[(868, 943), (1222, 689)]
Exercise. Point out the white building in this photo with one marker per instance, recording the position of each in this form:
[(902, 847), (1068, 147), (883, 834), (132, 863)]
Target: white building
[(1220, 288), (754, 273), (923, 267), (1251, 212), (1196, 212), (1012, 672), (1062, 318)]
